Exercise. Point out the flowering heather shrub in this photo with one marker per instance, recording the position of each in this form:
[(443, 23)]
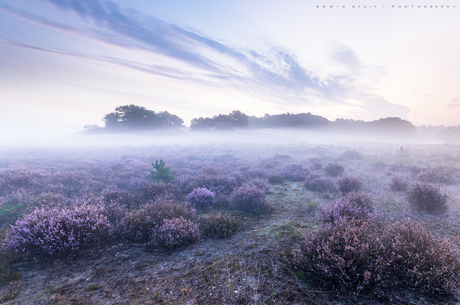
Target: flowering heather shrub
[(439, 174), (420, 260), (121, 197), (219, 184), (222, 201), (175, 233), (152, 190), (315, 164), (218, 225), (334, 169), (260, 183), (399, 184), (427, 197), (58, 232), (348, 184), (275, 177), (316, 183), (353, 205), (346, 256), (250, 199), (352, 155), (12, 180), (201, 198), (138, 224), (295, 172)]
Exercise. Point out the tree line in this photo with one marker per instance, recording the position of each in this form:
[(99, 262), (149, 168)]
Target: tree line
[(136, 118)]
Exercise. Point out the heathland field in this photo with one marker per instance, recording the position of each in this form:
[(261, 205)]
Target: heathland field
[(247, 223)]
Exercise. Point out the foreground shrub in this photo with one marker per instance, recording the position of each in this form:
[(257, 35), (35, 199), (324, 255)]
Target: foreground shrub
[(218, 225), (175, 233), (352, 206), (348, 184), (261, 184), (317, 183), (420, 260), (439, 174), (345, 256), (426, 197), (137, 225), (201, 198), (399, 184), (58, 232), (250, 199), (334, 169)]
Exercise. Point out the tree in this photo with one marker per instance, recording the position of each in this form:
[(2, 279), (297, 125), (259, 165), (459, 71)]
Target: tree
[(161, 173), (132, 117)]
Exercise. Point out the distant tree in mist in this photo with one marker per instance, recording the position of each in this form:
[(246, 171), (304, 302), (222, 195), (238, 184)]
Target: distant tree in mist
[(132, 117), (301, 120), (235, 119)]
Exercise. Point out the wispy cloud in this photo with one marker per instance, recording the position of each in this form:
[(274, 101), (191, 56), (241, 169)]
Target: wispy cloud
[(276, 72)]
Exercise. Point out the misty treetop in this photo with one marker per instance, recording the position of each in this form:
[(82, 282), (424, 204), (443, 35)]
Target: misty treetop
[(235, 119), (133, 117)]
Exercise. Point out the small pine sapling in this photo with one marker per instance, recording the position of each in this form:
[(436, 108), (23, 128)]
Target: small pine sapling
[(161, 173)]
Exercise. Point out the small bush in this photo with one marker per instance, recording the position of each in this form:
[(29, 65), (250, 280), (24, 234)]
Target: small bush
[(352, 155), (175, 233), (218, 225), (317, 183), (260, 183), (201, 198), (427, 197), (315, 164), (249, 199), (58, 232), (348, 184), (399, 184), (295, 172), (153, 190), (419, 260), (439, 174), (275, 177), (345, 256), (137, 225), (353, 205), (334, 169)]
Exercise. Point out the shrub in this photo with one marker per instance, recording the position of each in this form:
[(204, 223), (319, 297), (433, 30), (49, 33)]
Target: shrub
[(317, 183), (334, 169), (219, 184), (439, 174), (175, 233), (201, 198), (58, 232), (352, 155), (153, 190), (137, 225), (427, 197), (218, 225), (353, 205), (249, 199), (420, 260), (399, 184), (261, 184), (275, 177), (315, 164), (348, 184), (295, 172), (346, 256)]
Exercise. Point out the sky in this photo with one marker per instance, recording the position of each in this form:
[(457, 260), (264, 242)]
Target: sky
[(65, 64)]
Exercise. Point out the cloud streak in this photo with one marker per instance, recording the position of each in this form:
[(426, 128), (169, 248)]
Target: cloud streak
[(276, 73)]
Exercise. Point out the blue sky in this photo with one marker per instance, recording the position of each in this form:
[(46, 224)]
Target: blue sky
[(66, 63)]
